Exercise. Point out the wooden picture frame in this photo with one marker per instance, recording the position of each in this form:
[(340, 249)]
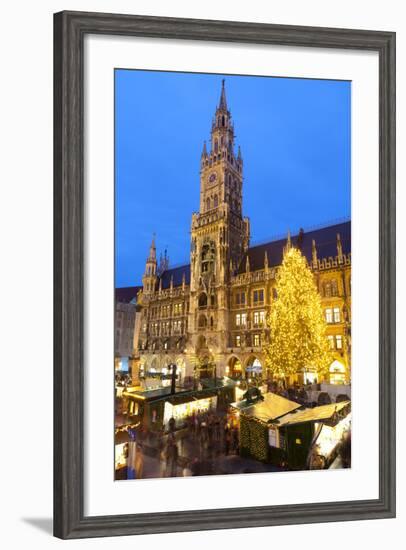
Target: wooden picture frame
[(69, 31)]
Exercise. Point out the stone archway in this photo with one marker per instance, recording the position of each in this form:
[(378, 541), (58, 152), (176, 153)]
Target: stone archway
[(253, 367), (234, 367), (337, 372)]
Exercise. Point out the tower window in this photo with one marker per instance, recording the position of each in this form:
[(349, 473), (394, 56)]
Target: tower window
[(216, 146), (208, 204), (216, 201), (202, 321), (203, 300), (223, 121)]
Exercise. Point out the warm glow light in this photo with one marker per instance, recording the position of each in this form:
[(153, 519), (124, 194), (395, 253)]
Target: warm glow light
[(183, 410), (296, 322), (120, 459), (330, 436)]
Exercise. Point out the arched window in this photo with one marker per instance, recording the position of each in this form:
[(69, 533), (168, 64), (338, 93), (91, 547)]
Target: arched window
[(216, 146), (202, 321), (208, 204), (223, 121), (216, 201), (203, 300)]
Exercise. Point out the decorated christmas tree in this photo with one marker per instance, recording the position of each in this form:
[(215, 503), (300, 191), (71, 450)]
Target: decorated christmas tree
[(298, 328)]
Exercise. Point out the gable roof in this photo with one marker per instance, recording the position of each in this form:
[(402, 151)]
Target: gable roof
[(125, 294), (272, 407), (177, 274)]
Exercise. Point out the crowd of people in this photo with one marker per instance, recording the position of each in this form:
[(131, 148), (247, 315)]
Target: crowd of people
[(204, 437)]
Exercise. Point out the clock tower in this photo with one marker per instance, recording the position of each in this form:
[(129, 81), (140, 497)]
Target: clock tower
[(219, 233)]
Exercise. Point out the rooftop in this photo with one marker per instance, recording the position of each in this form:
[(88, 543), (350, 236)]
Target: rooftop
[(326, 245), (272, 407)]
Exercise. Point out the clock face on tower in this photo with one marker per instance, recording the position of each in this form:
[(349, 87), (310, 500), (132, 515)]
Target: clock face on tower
[(212, 178)]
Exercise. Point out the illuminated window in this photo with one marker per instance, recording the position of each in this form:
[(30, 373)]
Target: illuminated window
[(330, 339), (329, 315), (238, 341), (334, 288), (257, 340), (259, 318), (339, 341), (241, 319), (336, 314)]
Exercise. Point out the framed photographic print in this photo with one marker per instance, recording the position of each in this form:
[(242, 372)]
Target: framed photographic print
[(224, 275)]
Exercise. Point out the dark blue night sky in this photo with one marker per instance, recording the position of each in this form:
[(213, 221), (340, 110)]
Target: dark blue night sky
[(295, 142)]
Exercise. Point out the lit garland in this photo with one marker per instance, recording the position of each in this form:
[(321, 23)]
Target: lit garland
[(296, 322), (253, 439), (259, 441)]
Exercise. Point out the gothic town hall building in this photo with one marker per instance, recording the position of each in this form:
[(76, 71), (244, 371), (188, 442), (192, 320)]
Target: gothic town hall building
[(209, 316)]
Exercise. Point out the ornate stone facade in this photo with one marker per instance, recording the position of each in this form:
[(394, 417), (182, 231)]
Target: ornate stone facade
[(209, 317)]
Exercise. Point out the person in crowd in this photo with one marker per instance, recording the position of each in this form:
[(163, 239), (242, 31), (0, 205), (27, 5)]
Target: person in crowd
[(139, 462)]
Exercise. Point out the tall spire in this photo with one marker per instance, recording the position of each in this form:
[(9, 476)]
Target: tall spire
[(204, 152), (152, 249), (314, 255), (339, 249), (149, 279), (223, 101), (288, 241)]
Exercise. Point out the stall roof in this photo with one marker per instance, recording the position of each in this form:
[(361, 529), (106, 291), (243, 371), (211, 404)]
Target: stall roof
[(181, 396), (272, 407), (317, 414), (187, 398), (147, 395)]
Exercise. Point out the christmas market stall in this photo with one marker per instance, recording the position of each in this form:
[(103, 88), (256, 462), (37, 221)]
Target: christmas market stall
[(255, 414), (153, 409), (284, 433), (311, 438)]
